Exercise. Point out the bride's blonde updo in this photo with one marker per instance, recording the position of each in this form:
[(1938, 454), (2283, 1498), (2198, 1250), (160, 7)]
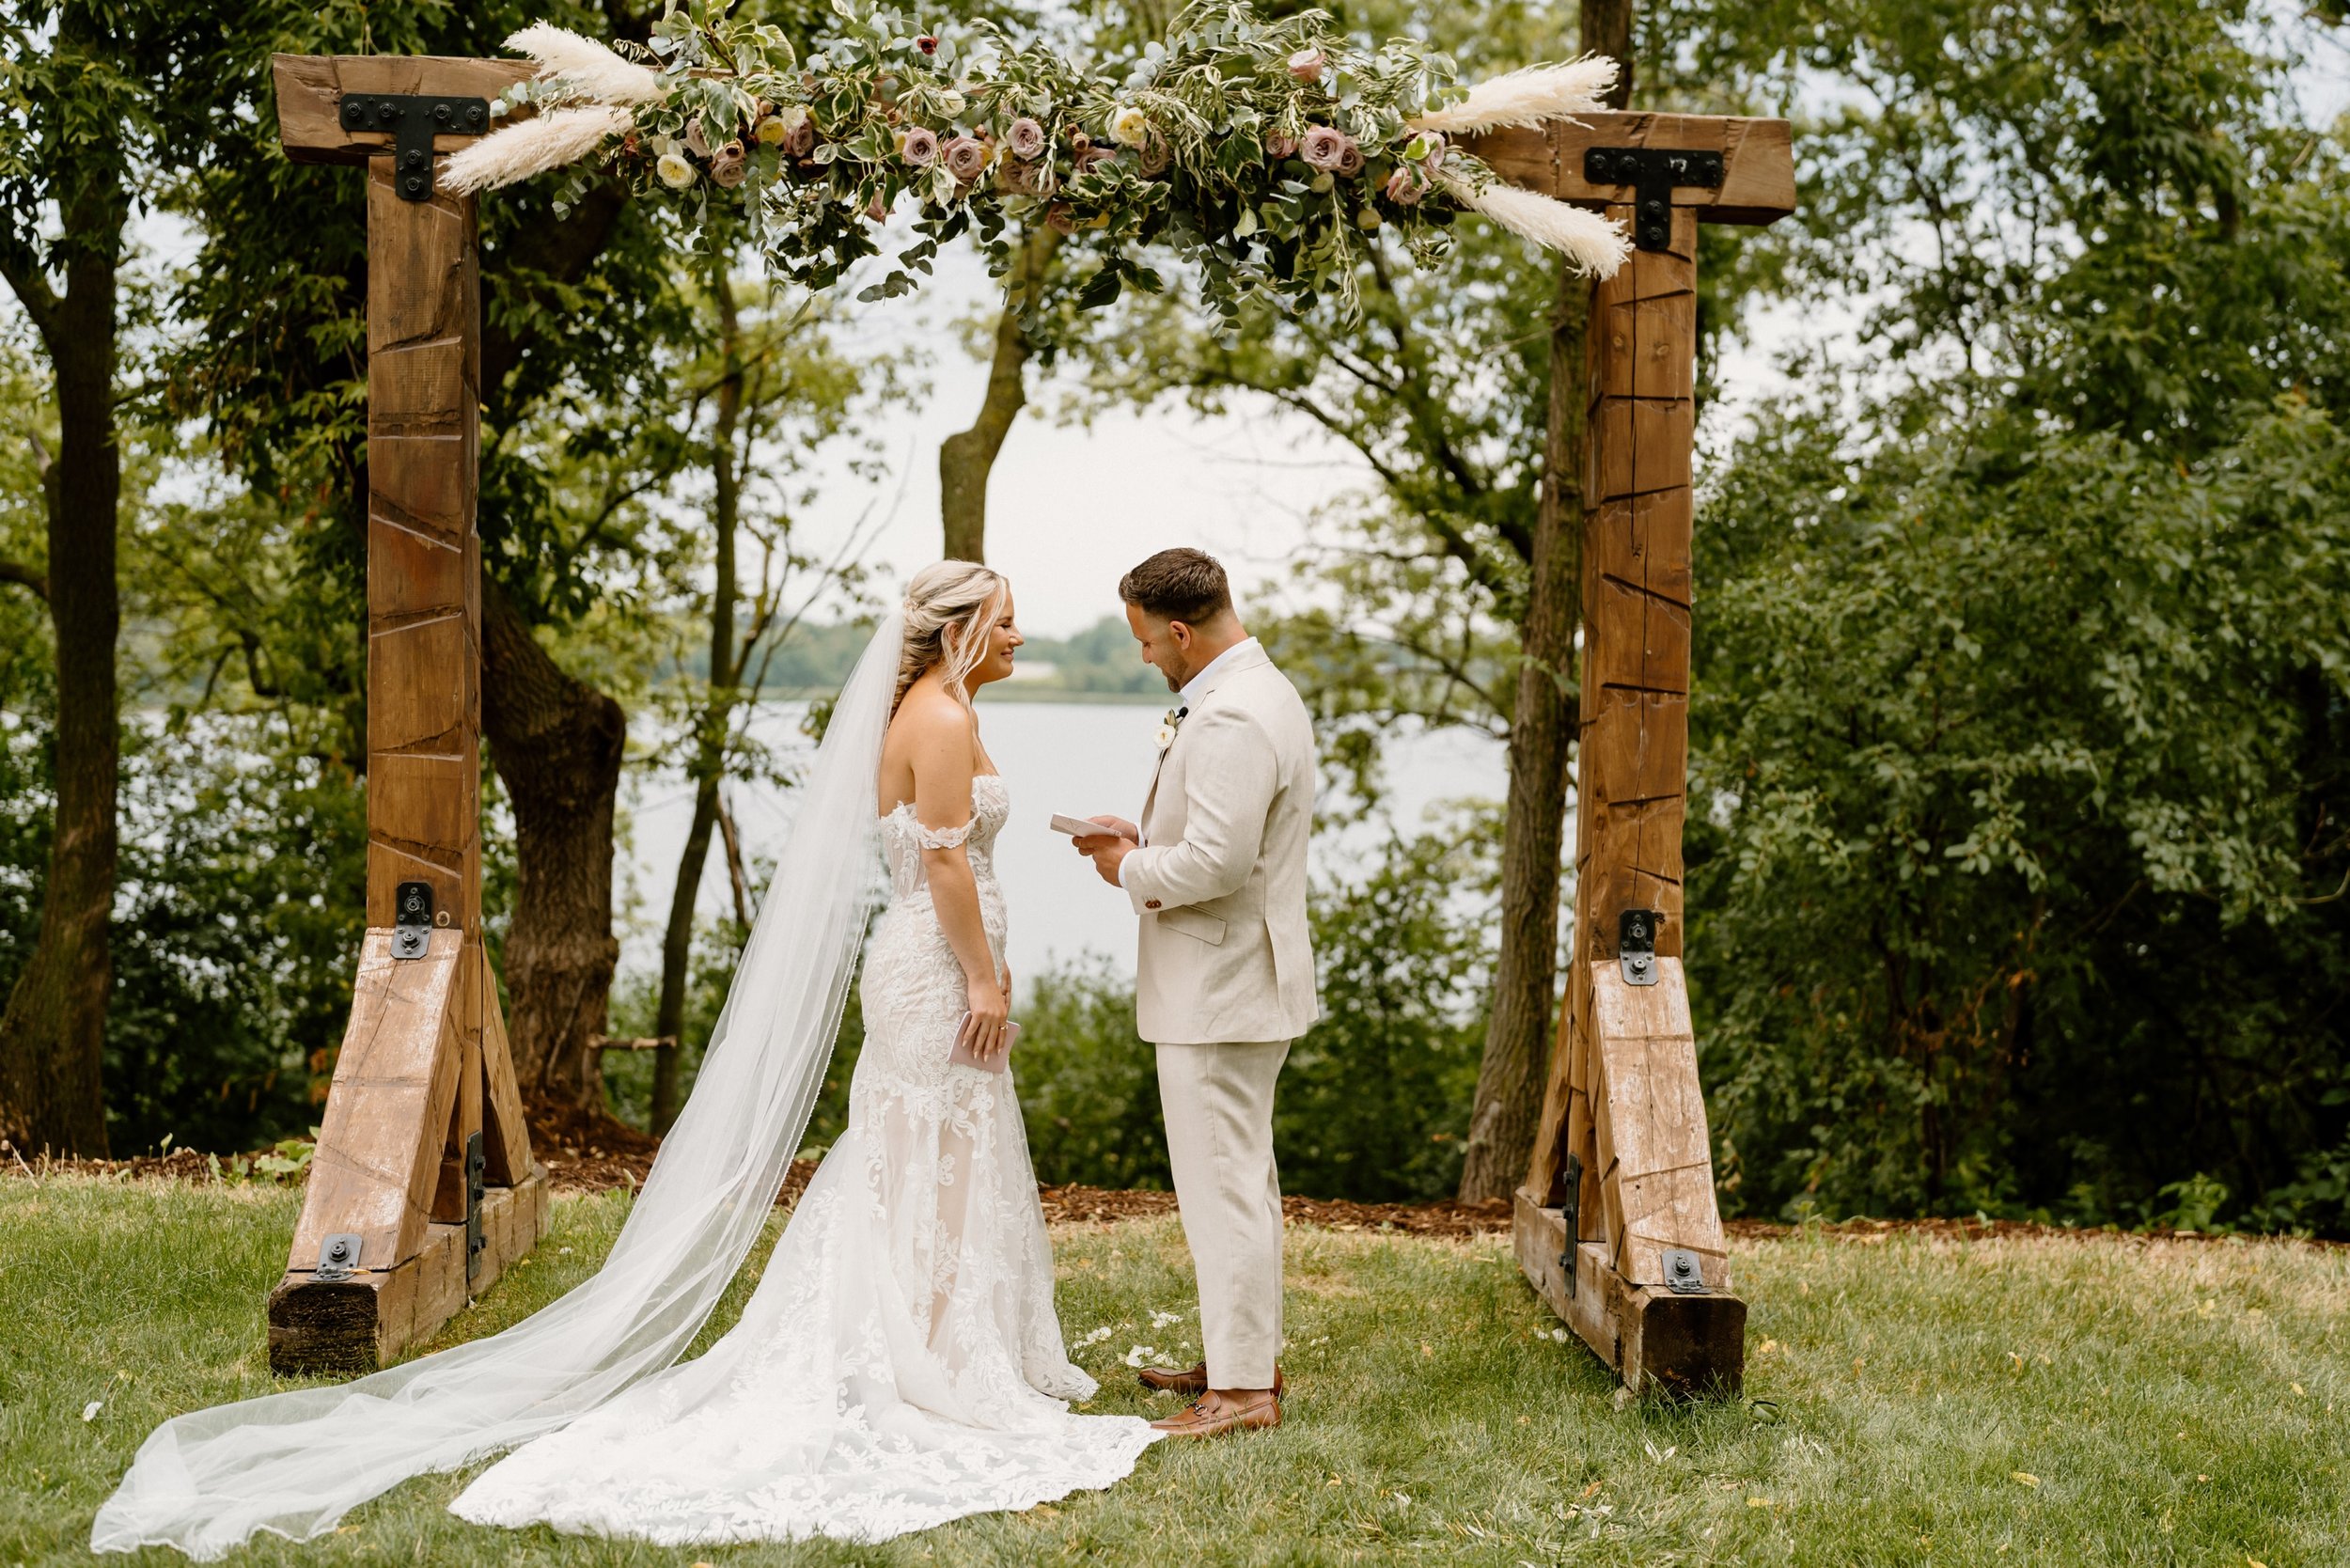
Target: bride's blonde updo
[(948, 609)]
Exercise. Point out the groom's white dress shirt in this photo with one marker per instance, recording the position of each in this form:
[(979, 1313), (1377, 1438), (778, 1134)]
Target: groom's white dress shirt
[(1219, 883)]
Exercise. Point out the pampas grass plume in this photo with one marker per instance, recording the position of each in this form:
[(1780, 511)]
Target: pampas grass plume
[(547, 140), (1592, 244), (1530, 97), (589, 69)]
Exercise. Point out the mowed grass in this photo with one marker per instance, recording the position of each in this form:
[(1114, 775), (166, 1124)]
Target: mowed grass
[(1910, 1399)]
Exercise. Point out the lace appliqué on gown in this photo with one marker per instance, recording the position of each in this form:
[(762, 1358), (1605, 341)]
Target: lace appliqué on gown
[(900, 1363)]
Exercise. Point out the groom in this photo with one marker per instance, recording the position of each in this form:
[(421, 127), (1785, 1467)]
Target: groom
[(1225, 973)]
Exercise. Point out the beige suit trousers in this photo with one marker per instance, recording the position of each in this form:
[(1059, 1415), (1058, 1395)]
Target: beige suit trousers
[(1218, 1101)]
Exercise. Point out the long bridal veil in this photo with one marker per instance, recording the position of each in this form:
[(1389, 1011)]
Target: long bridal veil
[(295, 1463)]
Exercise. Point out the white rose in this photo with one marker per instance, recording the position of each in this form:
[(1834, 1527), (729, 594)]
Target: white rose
[(675, 171), (951, 104), (1167, 736), (1131, 126)]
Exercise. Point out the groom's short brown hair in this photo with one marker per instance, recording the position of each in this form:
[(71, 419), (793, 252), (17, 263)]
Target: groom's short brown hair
[(1181, 585)]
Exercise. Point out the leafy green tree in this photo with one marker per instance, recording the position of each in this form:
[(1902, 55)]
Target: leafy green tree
[(2022, 723)]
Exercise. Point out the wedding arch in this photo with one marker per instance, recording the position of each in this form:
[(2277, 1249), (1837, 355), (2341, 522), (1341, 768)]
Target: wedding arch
[(1260, 152)]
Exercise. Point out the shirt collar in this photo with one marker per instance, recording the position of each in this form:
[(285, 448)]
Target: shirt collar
[(1200, 684)]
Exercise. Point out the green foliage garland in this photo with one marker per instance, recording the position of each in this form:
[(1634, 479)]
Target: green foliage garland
[(1261, 151)]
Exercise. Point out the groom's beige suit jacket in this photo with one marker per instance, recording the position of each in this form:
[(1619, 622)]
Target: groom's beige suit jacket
[(1221, 879)]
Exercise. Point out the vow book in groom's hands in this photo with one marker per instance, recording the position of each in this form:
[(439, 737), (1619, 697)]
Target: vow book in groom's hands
[(1077, 827)]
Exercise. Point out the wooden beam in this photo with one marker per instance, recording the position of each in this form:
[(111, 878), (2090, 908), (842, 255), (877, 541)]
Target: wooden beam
[(1684, 1346), (311, 89), (1758, 157)]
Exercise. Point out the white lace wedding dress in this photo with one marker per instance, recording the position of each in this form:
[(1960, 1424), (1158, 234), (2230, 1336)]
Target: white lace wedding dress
[(900, 1363)]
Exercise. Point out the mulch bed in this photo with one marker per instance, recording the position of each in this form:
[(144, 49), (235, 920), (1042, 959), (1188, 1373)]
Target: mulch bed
[(586, 1153)]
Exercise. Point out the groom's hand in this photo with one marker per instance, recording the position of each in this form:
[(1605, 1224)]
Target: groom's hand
[(1115, 827), (1108, 855)]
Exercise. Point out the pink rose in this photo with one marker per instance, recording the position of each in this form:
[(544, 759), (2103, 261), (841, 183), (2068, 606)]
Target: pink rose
[(696, 143), (801, 141), (1057, 219), (877, 210), (1026, 138), (1436, 149), (1351, 159), (966, 157), (1155, 159), (920, 147), (1278, 147), (1033, 180), (1088, 155), (1307, 66), (728, 165), (1404, 189), (1323, 147)]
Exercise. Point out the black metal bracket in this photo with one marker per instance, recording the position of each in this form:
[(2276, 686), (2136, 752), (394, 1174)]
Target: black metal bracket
[(1682, 1277), (412, 919), (1635, 945), (1651, 172), (338, 1255), (475, 1165), (413, 121), (1572, 1214)]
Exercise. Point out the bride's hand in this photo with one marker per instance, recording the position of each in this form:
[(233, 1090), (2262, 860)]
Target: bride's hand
[(991, 1009)]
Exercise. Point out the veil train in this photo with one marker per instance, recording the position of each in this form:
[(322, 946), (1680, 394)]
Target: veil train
[(294, 1463)]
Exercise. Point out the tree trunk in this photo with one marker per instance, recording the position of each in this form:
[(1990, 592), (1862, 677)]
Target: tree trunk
[(710, 751), (52, 1031), (557, 744), (1519, 1033), (967, 458)]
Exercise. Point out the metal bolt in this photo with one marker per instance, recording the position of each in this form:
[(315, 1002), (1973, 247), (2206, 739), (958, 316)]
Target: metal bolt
[(473, 114), (441, 113)]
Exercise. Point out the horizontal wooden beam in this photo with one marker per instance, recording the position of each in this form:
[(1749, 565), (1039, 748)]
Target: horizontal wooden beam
[(1685, 1347), (377, 1316), (1758, 161), (311, 90)]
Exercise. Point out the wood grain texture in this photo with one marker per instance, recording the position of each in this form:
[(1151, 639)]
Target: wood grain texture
[(504, 1132), (1685, 1346), (311, 89), (378, 1157), (1758, 161), (373, 1319)]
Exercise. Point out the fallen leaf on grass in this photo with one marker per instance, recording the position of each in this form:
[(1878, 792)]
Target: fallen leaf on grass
[(2023, 1477)]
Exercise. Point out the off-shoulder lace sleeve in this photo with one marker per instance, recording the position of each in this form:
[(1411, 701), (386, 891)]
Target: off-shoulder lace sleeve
[(942, 837)]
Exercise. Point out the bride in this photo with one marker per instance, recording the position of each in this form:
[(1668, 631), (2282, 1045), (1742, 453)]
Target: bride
[(900, 1363)]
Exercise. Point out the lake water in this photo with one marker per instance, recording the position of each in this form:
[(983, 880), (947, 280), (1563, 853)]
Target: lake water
[(1078, 758)]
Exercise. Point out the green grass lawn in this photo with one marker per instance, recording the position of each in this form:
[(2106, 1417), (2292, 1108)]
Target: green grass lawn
[(1911, 1400)]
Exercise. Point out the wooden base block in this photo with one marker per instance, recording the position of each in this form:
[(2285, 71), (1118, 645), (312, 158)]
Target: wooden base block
[(375, 1317), (1688, 1347)]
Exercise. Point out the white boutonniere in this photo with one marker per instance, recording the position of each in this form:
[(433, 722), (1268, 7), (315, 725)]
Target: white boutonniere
[(1167, 727)]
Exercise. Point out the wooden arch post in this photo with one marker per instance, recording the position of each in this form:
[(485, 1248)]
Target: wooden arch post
[(1617, 1225), (423, 1186)]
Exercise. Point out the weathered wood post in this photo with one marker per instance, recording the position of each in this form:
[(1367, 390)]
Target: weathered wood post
[(1617, 1224), (423, 1186)]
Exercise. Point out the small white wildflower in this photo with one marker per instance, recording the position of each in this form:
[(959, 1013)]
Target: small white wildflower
[(89, 1411), (1097, 1336), (1140, 1353), (1160, 1320)]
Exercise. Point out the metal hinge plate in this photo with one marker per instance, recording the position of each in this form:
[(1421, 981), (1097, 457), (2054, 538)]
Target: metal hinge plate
[(1635, 945), (1652, 172), (413, 121), (475, 1165), (1681, 1276), (1572, 1214), (339, 1256), (412, 919)]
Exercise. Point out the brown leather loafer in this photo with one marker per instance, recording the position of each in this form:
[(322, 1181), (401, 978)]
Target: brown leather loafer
[(1192, 1380), (1193, 1422)]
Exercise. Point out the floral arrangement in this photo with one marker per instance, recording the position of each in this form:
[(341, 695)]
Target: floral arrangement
[(1264, 153)]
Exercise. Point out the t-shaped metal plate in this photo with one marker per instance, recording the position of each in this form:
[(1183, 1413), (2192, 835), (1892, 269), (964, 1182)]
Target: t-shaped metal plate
[(413, 121), (1652, 172)]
